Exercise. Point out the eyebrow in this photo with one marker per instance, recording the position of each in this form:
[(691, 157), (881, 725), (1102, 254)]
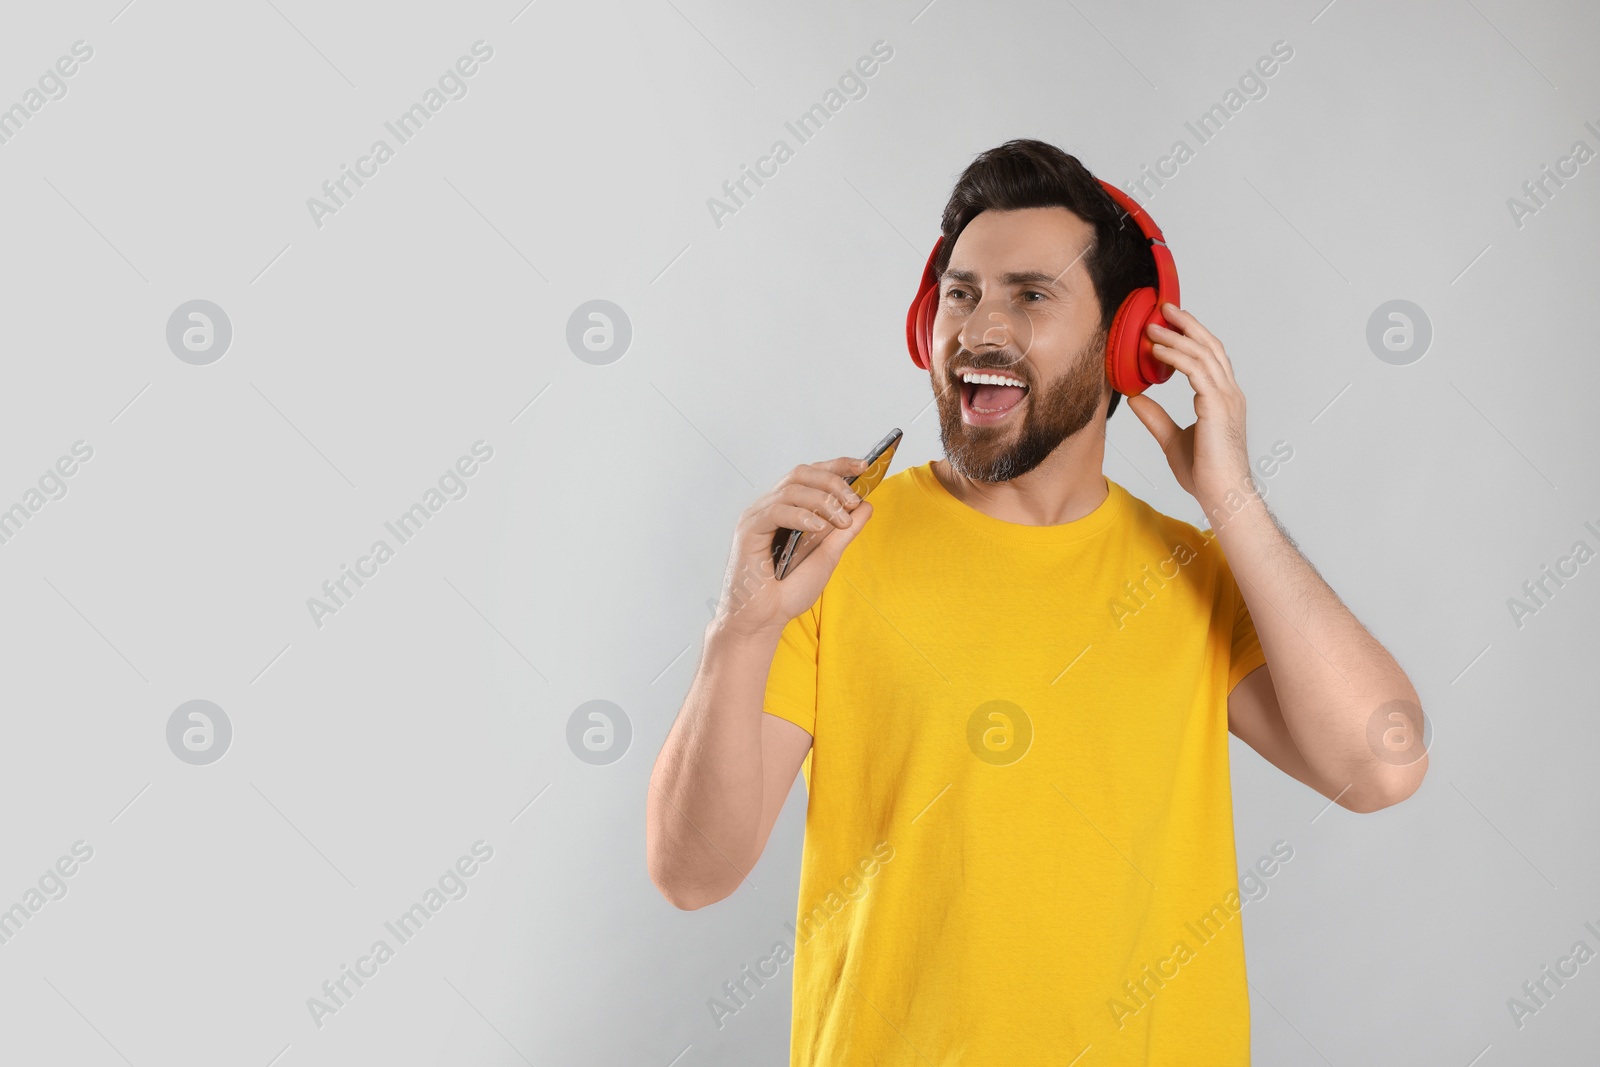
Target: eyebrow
[(1015, 277)]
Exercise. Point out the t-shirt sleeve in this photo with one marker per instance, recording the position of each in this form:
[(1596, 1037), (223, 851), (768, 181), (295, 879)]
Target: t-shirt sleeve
[(792, 681), (1245, 653)]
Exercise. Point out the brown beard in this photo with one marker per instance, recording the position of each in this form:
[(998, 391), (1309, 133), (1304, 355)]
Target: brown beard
[(1055, 411)]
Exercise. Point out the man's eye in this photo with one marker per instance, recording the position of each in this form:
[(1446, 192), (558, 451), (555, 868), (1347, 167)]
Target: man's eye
[(1033, 292), (956, 294)]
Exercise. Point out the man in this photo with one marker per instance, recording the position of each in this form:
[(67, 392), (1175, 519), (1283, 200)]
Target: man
[(1011, 696)]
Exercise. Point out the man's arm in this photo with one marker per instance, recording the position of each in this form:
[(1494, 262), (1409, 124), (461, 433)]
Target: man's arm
[(722, 776), (726, 767), (1255, 718), (1350, 711), (1331, 708)]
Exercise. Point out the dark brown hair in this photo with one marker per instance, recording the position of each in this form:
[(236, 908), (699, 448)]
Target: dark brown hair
[(1028, 173)]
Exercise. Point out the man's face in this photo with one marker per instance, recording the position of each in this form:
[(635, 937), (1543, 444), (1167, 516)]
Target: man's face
[(1016, 300)]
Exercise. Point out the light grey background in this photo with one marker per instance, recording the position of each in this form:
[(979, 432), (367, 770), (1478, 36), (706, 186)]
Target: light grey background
[(432, 310)]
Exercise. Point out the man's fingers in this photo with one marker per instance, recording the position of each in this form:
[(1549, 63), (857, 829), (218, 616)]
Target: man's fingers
[(829, 476), (835, 543), (798, 517), (826, 504), (1187, 354), (850, 464), (1155, 419), (1192, 327)]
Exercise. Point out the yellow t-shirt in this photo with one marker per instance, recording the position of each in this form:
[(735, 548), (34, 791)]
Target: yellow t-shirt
[(1019, 828)]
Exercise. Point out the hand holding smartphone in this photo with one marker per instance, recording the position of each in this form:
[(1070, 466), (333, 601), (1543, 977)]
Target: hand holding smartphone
[(790, 547)]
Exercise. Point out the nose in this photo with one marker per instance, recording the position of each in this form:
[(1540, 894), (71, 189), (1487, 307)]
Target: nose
[(994, 325)]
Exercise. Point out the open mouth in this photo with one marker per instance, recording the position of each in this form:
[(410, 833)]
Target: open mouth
[(989, 398)]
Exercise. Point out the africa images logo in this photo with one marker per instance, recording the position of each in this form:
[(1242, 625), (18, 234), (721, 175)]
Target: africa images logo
[(1140, 991), (852, 85), (452, 885), (452, 85), (846, 891)]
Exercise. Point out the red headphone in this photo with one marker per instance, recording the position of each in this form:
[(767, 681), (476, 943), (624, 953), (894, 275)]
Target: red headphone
[(1130, 363)]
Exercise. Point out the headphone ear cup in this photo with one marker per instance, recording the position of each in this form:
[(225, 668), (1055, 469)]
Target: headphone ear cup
[(919, 317), (1152, 371), (1125, 343), (924, 313)]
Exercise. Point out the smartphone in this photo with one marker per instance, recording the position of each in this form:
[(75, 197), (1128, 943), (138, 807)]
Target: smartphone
[(789, 547)]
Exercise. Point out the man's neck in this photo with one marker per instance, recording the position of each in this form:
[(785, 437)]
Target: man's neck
[(1067, 486)]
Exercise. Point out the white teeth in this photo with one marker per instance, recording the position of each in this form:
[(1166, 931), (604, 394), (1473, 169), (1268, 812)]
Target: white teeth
[(991, 379)]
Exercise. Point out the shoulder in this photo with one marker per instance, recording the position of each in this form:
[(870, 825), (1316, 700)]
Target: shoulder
[(1190, 556), (902, 488), (1183, 541), (901, 504), (904, 517)]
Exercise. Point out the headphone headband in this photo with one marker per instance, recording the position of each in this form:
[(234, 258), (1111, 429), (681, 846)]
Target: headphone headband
[(1166, 269)]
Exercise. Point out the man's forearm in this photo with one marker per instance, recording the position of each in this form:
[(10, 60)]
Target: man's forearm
[(1337, 686), (705, 799)]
